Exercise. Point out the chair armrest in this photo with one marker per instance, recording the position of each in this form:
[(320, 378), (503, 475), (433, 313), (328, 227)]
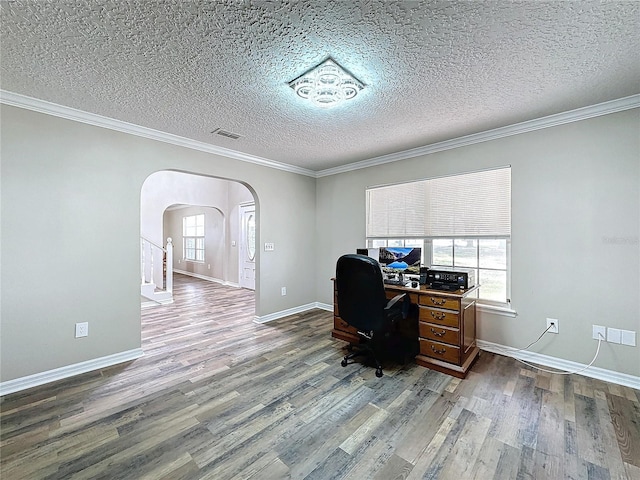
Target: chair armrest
[(394, 300)]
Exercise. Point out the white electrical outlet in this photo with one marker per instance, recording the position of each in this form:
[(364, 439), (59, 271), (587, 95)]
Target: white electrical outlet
[(82, 329), (284, 291), (552, 325), (628, 338), (614, 335), (599, 332)]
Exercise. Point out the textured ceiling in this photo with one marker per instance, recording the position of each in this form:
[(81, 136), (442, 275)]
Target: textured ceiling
[(434, 70)]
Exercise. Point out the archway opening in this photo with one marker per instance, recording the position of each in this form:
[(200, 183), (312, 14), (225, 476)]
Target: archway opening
[(201, 219)]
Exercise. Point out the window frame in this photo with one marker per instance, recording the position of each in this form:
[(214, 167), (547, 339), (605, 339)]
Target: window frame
[(192, 232), (426, 243)]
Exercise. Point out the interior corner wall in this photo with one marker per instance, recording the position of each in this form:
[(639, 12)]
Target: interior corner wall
[(166, 188), (575, 250), (70, 223), (215, 261)]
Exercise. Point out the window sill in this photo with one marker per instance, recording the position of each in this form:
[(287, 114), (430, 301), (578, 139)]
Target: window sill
[(496, 310)]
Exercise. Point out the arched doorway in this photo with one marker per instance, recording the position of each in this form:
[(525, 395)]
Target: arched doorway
[(211, 251)]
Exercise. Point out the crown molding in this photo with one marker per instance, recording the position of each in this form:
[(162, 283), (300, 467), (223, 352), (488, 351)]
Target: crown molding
[(576, 115), (42, 106)]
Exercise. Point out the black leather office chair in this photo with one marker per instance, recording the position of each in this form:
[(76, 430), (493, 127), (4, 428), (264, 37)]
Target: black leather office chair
[(362, 303)]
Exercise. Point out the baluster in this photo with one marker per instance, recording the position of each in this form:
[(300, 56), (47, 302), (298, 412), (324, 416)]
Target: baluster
[(169, 271), (152, 274), (148, 262)]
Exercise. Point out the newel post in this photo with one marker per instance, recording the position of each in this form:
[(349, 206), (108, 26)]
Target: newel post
[(169, 264)]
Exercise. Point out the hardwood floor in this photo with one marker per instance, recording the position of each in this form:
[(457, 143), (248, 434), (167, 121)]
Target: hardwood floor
[(217, 396)]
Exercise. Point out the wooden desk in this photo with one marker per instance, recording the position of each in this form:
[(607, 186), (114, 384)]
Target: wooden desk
[(446, 327)]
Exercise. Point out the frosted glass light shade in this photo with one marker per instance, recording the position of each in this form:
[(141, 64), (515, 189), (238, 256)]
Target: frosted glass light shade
[(327, 85)]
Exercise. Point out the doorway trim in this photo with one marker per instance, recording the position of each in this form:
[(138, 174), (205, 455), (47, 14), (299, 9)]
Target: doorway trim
[(248, 248)]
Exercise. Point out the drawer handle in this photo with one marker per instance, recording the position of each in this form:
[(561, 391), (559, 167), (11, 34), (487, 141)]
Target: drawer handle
[(438, 315), (438, 301), (439, 352), (438, 334)]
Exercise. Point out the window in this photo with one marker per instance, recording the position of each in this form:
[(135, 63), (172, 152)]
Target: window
[(461, 221), (193, 238), (487, 256)]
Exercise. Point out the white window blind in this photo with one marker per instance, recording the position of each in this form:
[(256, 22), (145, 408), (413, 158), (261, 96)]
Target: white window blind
[(474, 204), (397, 210)]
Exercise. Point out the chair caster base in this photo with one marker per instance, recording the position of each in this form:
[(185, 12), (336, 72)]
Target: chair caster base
[(344, 362), (378, 372)]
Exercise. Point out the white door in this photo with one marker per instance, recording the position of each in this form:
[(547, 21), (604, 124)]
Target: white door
[(248, 246)]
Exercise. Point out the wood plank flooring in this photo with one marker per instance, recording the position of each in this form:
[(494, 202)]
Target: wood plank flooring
[(217, 396)]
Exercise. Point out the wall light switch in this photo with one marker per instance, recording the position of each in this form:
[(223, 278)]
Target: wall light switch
[(269, 247), (614, 335), (628, 338)]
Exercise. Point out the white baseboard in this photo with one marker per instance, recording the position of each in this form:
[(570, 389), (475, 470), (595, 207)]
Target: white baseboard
[(208, 279), (291, 311), (156, 303), (325, 306), (561, 364), (37, 379), (148, 304)]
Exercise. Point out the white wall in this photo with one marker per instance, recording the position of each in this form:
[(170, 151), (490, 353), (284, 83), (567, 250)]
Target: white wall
[(70, 223), (215, 265), (575, 231), (165, 188)]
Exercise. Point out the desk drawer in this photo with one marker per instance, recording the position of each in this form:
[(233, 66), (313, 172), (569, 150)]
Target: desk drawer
[(340, 324), (440, 334), (392, 293), (440, 302), (441, 351), (441, 317)]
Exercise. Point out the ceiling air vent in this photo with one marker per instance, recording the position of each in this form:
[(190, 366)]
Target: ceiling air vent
[(224, 133)]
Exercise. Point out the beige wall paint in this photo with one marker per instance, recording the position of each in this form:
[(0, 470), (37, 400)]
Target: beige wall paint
[(575, 230), (70, 236), (70, 220)]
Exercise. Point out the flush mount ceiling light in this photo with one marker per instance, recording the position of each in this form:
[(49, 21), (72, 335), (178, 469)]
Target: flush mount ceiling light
[(327, 85)]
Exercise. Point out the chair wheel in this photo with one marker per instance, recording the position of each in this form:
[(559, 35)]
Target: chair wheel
[(344, 362), (378, 372)]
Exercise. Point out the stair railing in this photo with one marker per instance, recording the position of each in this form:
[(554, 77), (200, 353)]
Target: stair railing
[(156, 263)]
